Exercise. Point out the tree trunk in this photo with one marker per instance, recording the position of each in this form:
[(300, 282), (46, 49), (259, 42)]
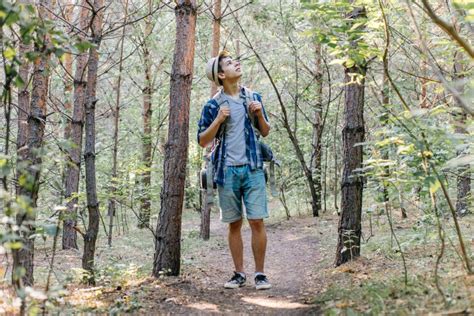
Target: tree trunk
[(168, 230), (385, 153), (31, 165), (353, 132), (68, 83), (113, 189), (145, 200), (68, 88), (324, 178), (336, 165), (317, 133), (205, 228), (90, 236), (23, 107), (463, 181), (73, 165), (216, 36)]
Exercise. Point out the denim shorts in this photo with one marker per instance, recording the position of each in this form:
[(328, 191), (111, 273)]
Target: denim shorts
[(242, 188)]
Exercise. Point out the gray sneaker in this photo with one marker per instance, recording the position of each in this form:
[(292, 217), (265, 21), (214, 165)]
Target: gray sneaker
[(238, 280), (262, 283)]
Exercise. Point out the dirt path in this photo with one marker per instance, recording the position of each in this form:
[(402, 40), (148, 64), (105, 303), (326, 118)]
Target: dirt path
[(291, 255)]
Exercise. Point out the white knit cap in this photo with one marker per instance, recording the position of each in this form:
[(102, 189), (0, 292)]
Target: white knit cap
[(212, 67)]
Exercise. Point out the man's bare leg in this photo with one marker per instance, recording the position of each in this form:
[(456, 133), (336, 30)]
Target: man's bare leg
[(259, 243), (236, 245)]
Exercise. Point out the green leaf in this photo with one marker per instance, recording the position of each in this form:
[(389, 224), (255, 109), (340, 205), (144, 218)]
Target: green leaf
[(19, 83), (50, 229), (337, 62), (349, 63), (435, 186), (14, 245), (83, 46), (9, 53)]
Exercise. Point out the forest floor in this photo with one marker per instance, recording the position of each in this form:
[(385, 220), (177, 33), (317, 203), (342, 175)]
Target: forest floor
[(299, 264)]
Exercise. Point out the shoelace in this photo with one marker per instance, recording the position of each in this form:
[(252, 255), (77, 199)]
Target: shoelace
[(236, 277)]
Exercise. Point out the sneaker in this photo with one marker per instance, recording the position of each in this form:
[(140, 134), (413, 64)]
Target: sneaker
[(238, 280), (261, 282)]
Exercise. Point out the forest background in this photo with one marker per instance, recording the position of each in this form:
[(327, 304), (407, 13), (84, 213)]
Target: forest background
[(370, 104)]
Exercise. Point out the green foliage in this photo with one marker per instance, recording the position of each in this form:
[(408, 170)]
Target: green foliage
[(350, 39)]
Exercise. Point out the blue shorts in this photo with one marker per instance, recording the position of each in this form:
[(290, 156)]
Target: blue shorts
[(242, 187)]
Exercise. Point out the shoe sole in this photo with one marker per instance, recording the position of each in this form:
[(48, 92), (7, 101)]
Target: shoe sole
[(263, 287), (233, 286)]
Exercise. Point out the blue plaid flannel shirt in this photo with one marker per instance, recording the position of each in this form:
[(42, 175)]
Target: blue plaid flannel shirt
[(209, 113)]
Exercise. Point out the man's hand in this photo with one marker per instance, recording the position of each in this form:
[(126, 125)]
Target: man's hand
[(255, 107), (224, 113)]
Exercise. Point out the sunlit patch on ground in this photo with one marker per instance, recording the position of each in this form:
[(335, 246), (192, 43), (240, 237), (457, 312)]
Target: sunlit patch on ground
[(273, 302), (204, 306), (88, 298), (9, 304)]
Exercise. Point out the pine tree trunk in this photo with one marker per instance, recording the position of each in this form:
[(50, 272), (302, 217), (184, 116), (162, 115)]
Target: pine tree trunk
[(353, 132), (113, 189), (317, 133), (216, 35), (168, 230), (68, 83), (23, 105), (68, 89), (69, 240), (145, 209), (336, 165), (463, 181), (31, 161), (90, 236), (206, 208)]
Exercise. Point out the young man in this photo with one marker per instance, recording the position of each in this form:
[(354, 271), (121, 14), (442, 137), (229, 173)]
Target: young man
[(234, 116)]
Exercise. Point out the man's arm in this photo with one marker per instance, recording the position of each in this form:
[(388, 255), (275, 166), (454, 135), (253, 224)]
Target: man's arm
[(206, 137), (263, 125)]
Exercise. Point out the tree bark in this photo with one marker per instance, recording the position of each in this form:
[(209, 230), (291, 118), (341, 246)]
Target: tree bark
[(68, 89), (30, 163), (145, 200), (216, 36), (206, 208), (353, 132), (336, 165), (90, 236), (23, 106), (463, 180), (113, 189), (68, 83), (168, 230), (317, 133), (73, 166)]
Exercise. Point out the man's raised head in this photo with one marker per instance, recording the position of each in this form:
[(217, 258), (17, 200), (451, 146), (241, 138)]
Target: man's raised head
[(214, 67)]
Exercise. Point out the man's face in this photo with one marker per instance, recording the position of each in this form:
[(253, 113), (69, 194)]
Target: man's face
[(231, 69)]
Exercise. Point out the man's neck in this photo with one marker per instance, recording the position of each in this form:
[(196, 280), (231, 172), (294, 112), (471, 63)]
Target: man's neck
[(232, 88)]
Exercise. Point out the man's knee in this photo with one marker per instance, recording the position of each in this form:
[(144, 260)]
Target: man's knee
[(235, 226), (257, 225)]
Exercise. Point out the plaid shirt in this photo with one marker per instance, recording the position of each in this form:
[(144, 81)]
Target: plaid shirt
[(253, 153)]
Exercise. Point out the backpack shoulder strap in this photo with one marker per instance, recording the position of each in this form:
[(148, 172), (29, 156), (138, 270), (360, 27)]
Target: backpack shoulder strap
[(249, 97), (219, 99)]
